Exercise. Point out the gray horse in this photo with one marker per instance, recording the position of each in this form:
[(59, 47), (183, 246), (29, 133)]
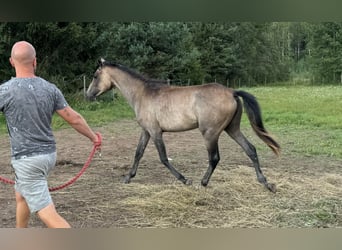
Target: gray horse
[(212, 108)]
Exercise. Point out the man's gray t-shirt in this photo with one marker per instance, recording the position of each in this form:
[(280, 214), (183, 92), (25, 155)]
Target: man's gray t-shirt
[(28, 105)]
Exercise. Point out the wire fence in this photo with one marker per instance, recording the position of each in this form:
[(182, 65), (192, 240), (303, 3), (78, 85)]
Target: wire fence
[(85, 80), (81, 83)]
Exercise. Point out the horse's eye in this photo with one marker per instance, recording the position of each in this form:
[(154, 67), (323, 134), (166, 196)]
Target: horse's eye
[(95, 76)]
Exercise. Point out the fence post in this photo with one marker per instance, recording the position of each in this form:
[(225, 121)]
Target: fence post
[(84, 87)]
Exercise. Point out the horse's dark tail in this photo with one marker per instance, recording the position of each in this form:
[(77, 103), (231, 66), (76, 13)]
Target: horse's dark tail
[(253, 111)]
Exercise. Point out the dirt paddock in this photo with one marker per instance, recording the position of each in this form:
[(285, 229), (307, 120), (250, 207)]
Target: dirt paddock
[(309, 188)]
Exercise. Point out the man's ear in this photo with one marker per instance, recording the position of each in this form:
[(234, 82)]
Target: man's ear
[(11, 61), (35, 64)]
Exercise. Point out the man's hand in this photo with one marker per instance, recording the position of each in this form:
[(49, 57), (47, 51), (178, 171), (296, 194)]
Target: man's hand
[(98, 142)]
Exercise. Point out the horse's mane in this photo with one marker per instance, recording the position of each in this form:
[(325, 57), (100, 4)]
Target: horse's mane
[(151, 83)]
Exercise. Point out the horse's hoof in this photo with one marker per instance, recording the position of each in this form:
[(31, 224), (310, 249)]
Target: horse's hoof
[(127, 179), (188, 182), (271, 187), (204, 183)]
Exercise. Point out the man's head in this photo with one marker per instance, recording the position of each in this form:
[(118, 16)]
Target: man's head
[(23, 55)]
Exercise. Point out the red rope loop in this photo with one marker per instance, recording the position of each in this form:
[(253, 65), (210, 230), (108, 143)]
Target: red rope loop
[(96, 146)]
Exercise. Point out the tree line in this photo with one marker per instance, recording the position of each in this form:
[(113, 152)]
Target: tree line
[(231, 53)]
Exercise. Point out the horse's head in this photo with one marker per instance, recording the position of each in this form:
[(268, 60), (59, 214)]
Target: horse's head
[(101, 82)]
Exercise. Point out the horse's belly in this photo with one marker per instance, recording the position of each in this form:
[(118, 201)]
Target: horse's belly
[(177, 123)]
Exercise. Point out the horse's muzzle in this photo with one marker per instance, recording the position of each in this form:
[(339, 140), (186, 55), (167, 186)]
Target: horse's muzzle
[(90, 97)]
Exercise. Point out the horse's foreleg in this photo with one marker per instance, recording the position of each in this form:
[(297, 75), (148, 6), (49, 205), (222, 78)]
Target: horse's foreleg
[(158, 141), (214, 158), (252, 154), (143, 141)]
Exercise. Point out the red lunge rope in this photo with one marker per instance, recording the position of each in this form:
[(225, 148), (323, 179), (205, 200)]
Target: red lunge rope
[(96, 146)]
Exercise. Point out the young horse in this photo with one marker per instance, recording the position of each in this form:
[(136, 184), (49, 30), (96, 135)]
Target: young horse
[(160, 108)]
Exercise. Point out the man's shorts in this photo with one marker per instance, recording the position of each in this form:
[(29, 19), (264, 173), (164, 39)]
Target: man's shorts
[(31, 179)]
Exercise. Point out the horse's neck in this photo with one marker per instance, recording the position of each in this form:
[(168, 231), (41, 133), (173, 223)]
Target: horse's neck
[(130, 88)]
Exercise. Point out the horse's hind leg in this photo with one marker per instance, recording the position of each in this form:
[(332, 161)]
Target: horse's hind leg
[(235, 133), (214, 158), (158, 141), (143, 141)]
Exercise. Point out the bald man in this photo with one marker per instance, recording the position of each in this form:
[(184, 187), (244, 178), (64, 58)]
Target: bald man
[(28, 103)]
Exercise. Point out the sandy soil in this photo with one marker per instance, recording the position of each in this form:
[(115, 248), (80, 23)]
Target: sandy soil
[(154, 198)]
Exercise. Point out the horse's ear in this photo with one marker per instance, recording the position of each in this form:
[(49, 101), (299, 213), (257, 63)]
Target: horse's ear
[(101, 61)]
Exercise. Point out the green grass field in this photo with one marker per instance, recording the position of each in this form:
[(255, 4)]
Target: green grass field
[(307, 117)]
